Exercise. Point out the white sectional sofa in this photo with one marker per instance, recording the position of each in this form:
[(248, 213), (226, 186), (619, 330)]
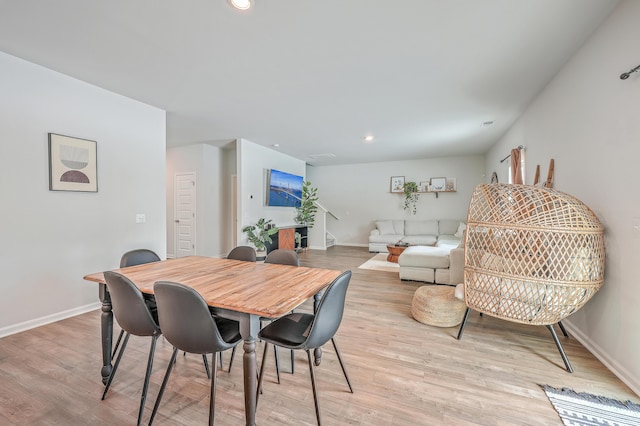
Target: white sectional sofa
[(414, 232), (436, 252)]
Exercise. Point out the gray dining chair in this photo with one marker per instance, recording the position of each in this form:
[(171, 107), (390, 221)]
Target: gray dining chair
[(133, 258), (310, 331), (135, 317), (245, 253), (281, 257), (188, 325)]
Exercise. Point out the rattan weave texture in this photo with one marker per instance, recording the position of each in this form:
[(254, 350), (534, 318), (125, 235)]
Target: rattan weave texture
[(532, 255)]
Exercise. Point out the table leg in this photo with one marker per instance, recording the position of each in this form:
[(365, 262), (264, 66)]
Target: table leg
[(317, 352), (106, 328), (249, 327)]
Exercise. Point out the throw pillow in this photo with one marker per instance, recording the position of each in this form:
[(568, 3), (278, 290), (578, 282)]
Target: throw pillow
[(385, 227), (460, 230)]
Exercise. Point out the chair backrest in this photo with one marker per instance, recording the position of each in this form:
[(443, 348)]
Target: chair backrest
[(246, 253), (329, 313), (283, 257), (138, 257), (186, 320), (129, 307)]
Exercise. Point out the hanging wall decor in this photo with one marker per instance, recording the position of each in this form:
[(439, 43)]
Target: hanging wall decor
[(72, 164)]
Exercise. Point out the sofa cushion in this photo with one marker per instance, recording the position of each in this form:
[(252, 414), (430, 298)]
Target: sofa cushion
[(390, 227), (448, 241), (420, 240), (448, 227), (385, 227), (421, 227), (426, 257), (385, 239), (460, 230)]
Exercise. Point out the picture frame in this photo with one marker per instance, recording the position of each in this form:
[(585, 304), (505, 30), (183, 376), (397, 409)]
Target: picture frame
[(438, 184), (424, 186), (451, 184), (73, 164), (397, 184)]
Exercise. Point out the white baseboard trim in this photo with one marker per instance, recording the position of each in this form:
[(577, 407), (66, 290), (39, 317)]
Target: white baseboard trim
[(170, 255), (37, 322), (352, 245), (618, 370)]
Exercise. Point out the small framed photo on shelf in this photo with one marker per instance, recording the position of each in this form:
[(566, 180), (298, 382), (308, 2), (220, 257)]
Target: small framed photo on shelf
[(397, 183), (438, 184), (424, 186), (451, 184)]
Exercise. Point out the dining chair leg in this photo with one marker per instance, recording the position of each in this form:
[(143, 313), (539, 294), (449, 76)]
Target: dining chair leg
[(164, 385), (261, 375), (147, 376), (212, 396), (115, 366), (313, 386), (344, 370), (206, 366), (233, 352), (292, 359), (115, 348), (275, 354), (464, 322)]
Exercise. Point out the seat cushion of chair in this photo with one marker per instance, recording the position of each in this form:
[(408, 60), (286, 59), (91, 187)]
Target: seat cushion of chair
[(289, 331), (229, 330)]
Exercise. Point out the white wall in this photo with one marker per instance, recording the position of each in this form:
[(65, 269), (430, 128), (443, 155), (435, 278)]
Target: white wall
[(213, 167), (588, 121), (359, 194), (253, 162), (52, 239)]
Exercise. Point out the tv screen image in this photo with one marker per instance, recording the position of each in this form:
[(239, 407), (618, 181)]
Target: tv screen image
[(285, 189)]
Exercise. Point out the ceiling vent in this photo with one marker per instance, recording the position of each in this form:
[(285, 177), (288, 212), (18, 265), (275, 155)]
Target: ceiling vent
[(321, 156)]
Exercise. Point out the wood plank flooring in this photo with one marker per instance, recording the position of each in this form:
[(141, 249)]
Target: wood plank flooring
[(403, 372)]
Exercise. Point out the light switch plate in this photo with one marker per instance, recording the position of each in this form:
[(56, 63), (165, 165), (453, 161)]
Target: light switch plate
[(141, 218)]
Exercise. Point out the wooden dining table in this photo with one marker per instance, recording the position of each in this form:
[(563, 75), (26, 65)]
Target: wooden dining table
[(242, 291)]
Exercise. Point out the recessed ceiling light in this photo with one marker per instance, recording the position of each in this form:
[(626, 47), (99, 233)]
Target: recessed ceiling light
[(240, 4), (276, 145), (368, 138)]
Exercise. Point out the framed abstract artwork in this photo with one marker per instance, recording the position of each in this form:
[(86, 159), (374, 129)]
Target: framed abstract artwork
[(72, 164)]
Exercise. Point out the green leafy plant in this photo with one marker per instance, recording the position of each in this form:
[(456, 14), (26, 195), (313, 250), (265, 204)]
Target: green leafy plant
[(411, 195), (260, 233), (306, 213)]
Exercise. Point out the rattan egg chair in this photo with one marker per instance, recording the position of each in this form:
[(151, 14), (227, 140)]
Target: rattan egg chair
[(532, 255)]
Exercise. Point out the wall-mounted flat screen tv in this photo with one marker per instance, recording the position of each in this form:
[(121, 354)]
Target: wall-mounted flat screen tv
[(284, 189)]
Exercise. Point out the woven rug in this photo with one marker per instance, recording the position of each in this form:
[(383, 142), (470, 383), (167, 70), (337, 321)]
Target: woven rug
[(582, 409), (379, 263)]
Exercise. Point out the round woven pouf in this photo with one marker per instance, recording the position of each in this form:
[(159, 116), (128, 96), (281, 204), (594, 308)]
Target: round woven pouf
[(437, 305)]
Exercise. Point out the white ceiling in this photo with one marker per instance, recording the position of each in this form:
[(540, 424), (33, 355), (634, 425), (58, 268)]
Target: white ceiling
[(315, 77)]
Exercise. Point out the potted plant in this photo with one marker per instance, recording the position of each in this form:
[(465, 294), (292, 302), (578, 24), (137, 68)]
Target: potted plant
[(306, 213), (411, 195), (260, 234)]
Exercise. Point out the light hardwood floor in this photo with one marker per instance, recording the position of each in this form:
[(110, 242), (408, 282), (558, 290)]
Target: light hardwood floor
[(403, 372)]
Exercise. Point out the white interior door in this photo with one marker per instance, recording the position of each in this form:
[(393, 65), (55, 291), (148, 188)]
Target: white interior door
[(185, 214)]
